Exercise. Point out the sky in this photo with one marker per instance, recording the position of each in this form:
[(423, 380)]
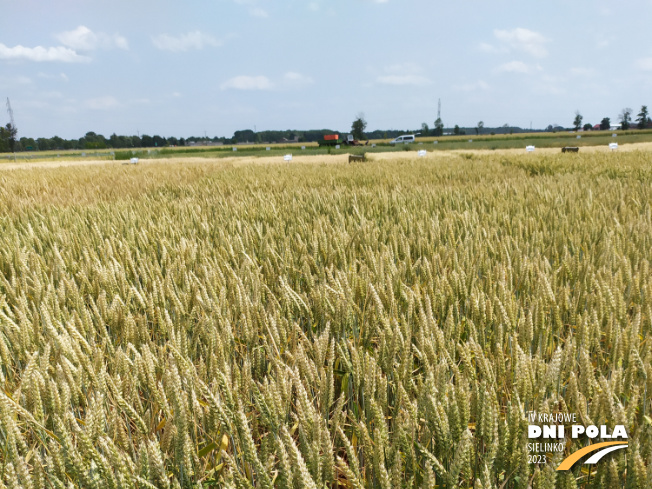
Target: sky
[(216, 66)]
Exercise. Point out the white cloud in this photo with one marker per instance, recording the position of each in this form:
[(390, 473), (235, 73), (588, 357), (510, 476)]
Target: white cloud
[(244, 82), (258, 12), (102, 103), (490, 48), (47, 76), (185, 42), (83, 39), (415, 80), (525, 40), (480, 85), (403, 74), (39, 54), (253, 8), (517, 67), (644, 64), (294, 79)]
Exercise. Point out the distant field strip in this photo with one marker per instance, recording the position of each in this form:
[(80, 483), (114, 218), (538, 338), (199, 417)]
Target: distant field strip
[(483, 142)]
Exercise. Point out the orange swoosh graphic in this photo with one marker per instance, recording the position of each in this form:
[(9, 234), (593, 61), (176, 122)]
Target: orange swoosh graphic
[(575, 456)]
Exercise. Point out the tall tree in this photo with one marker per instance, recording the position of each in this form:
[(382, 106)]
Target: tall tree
[(577, 122), (425, 130), (643, 118), (605, 124), (358, 126), (11, 132), (4, 140), (625, 118), (479, 128), (439, 127)]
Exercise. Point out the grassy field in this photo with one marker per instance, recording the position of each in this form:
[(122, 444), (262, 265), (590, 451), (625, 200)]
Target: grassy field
[(446, 143), (382, 325)]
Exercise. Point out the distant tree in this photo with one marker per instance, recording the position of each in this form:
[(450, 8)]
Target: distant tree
[(182, 142), (549, 128), (28, 144), (577, 122), (439, 127), (4, 140), (159, 141), (11, 133), (605, 124), (626, 118), (479, 128), (146, 141), (358, 126), (456, 130), (57, 142), (425, 130), (587, 126), (246, 136), (643, 118)]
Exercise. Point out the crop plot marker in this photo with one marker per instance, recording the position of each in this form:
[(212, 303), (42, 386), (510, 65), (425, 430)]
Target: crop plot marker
[(613, 146), (287, 157), (422, 153), (529, 149)]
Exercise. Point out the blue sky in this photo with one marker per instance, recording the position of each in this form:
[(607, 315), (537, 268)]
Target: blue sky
[(185, 68)]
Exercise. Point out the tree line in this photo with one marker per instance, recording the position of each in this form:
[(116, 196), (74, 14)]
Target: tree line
[(9, 142), (642, 120)]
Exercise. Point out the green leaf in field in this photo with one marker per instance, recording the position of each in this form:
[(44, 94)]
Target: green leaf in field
[(345, 383), (207, 449)]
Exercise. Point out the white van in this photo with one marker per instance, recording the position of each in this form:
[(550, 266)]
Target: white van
[(403, 139)]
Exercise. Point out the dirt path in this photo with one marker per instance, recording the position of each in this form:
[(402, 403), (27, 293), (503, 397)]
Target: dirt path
[(318, 159)]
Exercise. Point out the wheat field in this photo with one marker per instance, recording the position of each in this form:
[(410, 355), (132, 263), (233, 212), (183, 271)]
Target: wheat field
[(386, 325)]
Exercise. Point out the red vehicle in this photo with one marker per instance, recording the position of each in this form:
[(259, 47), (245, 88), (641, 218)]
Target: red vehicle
[(335, 139)]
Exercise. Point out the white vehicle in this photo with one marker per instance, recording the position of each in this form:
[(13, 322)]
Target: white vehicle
[(403, 139)]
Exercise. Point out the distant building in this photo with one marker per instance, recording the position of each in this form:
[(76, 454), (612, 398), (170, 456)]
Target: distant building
[(615, 127), (596, 127)]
